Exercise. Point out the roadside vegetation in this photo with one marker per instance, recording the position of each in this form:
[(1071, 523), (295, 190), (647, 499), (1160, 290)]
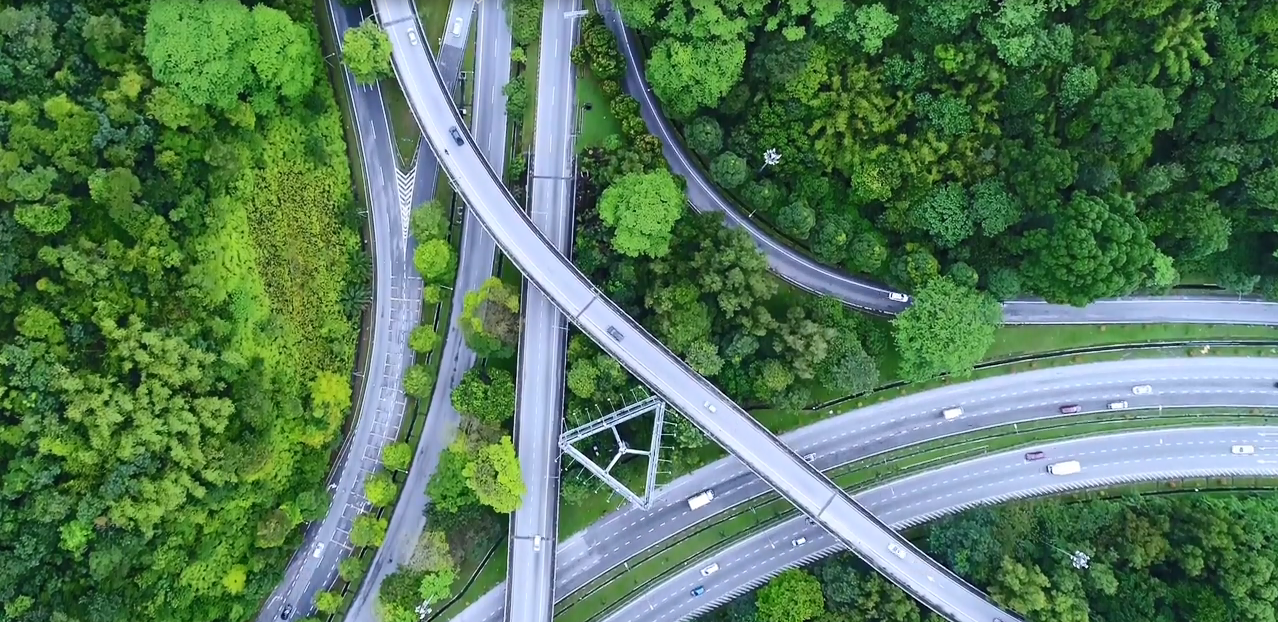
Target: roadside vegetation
[(181, 278)]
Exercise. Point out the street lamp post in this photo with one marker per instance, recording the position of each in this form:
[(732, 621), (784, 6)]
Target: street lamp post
[(771, 157)]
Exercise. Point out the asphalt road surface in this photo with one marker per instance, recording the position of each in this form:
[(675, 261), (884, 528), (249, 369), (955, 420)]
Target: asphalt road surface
[(997, 401), (1156, 455), (475, 265), (646, 358), (809, 274), (542, 350)]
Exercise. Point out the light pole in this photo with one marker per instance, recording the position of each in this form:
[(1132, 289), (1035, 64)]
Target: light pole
[(771, 157), (1078, 559)]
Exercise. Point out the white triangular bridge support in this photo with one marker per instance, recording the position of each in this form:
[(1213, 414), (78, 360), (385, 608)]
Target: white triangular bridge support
[(609, 422)]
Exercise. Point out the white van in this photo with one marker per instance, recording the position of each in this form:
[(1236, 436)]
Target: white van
[(457, 24), (952, 413), (1069, 467), (709, 570), (699, 500)]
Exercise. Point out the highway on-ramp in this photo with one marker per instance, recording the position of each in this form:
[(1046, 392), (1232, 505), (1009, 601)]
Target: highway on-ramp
[(543, 345), (1157, 455), (646, 358), (809, 274), (998, 401)]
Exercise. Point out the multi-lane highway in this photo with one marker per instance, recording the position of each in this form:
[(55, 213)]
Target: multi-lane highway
[(478, 252), (1106, 461), (998, 401), (542, 349), (808, 274), (637, 351)]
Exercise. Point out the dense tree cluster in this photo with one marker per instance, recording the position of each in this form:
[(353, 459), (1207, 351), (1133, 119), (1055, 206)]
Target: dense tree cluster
[(1062, 148), (1184, 558), (702, 288), (180, 275)]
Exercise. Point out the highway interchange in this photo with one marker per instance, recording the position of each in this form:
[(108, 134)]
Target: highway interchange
[(642, 355), (383, 397), (864, 432)]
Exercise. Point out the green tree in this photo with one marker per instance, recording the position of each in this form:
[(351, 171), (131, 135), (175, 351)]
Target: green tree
[(1128, 117), (495, 476), (329, 602), (201, 49), (432, 553), (688, 75), (366, 52), (423, 339), (1077, 84), (1096, 247), (792, 596), (704, 136), (944, 214), (428, 221), (433, 260), (642, 208), (353, 568), (436, 586), (380, 489), (516, 92), (949, 328), (729, 170), (397, 456), (874, 24), (448, 489), (367, 530), (797, 219), (490, 319), (486, 394), (419, 382)]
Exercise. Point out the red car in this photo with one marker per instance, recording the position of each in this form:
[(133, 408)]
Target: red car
[(1071, 409), (1035, 455)]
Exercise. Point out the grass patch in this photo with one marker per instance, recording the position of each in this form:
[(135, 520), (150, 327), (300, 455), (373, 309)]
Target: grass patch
[(1017, 340), (407, 133), (598, 123), (528, 123), (612, 589), (433, 15)]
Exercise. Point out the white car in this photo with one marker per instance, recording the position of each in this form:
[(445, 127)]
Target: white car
[(457, 24), (710, 407), (896, 550), (412, 37), (709, 570), (1244, 450), (1118, 405), (898, 297), (798, 542), (319, 551), (1142, 389), (809, 457)]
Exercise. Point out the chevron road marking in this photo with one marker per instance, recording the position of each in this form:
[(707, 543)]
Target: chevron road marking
[(404, 183)]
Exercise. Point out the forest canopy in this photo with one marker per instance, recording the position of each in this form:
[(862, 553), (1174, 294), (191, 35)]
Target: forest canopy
[(174, 370), (1069, 149)]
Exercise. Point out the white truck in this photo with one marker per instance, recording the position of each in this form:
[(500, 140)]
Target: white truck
[(700, 499), (1068, 467)]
